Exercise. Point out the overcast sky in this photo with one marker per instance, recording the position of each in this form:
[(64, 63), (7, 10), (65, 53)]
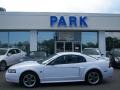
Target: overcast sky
[(87, 6)]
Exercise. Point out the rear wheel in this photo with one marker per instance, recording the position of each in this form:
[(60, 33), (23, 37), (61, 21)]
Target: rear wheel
[(3, 66), (93, 77), (29, 79)]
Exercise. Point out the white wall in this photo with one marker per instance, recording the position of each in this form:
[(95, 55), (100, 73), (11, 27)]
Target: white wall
[(102, 42), (41, 21), (33, 40)]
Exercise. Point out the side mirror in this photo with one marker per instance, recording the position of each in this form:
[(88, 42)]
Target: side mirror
[(9, 54)]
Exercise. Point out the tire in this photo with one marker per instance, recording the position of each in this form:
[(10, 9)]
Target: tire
[(93, 77), (29, 79), (3, 66)]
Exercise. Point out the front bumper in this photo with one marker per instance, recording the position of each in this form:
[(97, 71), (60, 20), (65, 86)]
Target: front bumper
[(12, 77), (108, 73)]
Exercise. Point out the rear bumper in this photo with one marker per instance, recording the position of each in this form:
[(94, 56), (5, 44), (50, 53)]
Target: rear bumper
[(108, 73)]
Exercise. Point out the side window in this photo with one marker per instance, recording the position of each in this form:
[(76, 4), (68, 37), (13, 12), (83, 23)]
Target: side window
[(59, 60), (17, 50), (81, 59), (75, 59), (12, 51), (72, 59)]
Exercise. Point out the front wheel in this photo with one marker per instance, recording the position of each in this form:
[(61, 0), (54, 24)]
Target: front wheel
[(3, 66), (93, 77), (29, 79)]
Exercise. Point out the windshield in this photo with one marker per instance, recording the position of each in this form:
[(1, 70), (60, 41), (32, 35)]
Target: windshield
[(45, 60), (90, 52), (3, 51)]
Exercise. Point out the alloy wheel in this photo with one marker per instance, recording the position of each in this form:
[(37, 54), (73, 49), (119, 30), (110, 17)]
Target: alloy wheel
[(3, 66), (29, 80), (93, 78)]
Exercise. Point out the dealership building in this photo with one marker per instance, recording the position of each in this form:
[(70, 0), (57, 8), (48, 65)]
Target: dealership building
[(59, 32)]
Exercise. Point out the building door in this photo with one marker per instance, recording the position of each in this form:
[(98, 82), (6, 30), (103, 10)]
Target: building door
[(67, 46)]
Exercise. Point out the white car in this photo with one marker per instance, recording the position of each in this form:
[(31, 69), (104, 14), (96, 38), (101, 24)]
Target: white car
[(94, 52), (61, 67), (10, 56)]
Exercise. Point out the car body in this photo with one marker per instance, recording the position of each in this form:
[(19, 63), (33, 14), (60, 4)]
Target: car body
[(115, 57), (94, 52), (10, 56), (61, 67)]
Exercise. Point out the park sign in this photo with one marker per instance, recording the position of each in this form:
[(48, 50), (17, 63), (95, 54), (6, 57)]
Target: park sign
[(70, 21)]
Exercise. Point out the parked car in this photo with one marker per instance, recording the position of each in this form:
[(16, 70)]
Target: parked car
[(94, 52), (61, 67), (115, 58), (10, 56)]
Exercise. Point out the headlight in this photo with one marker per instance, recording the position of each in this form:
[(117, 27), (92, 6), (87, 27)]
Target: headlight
[(11, 71)]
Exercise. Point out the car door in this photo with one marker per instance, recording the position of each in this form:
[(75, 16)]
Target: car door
[(18, 56), (11, 57), (63, 68)]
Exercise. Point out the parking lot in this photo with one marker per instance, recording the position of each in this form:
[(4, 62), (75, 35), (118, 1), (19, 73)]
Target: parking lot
[(111, 84)]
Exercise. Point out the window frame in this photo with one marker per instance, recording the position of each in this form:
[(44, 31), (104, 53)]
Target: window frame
[(67, 60)]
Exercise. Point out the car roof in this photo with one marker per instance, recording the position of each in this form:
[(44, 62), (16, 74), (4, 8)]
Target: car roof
[(91, 48), (64, 53)]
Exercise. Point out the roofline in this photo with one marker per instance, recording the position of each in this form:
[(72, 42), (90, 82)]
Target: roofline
[(57, 13)]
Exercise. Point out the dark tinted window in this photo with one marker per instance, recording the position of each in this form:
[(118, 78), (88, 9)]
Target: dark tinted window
[(75, 59), (81, 59), (17, 51), (12, 51), (59, 60), (66, 59)]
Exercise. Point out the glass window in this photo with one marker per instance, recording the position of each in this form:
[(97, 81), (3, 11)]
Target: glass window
[(3, 39), (89, 39), (75, 59), (17, 51), (59, 46), (65, 36), (81, 59), (59, 60), (77, 47), (67, 59), (91, 51), (68, 46), (12, 51), (46, 42), (112, 40), (20, 40), (72, 59)]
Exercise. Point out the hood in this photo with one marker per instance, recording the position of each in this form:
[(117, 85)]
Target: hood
[(25, 64), (2, 57)]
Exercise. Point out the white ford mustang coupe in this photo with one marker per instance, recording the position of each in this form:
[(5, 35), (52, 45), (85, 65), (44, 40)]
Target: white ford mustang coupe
[(61, 67)]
